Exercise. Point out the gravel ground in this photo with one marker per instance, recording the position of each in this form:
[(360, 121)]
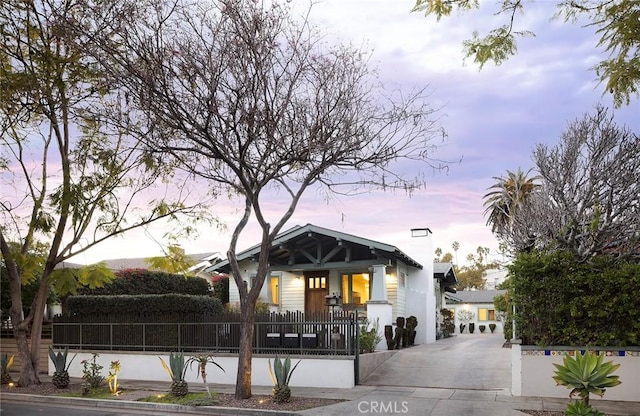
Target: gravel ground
[(224, 400)]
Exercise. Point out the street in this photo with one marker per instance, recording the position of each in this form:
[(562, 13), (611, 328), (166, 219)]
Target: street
[(8, 408)]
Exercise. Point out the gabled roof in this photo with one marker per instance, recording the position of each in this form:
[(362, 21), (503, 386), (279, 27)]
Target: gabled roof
[(298, 244), (138, 262), (446, 274), (474, 296)]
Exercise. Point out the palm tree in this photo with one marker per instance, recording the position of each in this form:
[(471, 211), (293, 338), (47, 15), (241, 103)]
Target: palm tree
[(509, 194)]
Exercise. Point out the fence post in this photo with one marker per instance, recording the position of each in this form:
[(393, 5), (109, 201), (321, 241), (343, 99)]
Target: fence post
[(356, 361), (111, 336)]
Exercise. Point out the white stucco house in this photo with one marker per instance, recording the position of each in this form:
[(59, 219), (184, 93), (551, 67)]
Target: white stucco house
[(309, 263), (480, 304)]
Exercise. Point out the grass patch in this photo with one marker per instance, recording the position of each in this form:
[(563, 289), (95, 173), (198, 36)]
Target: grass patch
[(99, 393), (191, 399)]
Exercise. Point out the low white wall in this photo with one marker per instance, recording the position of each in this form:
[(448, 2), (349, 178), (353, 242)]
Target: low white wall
[(313, 371), (533, 371), (370, 361)]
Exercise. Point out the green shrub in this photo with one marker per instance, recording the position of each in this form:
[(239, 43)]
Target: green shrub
[(86, 306), (146, 282), (562, 301), (369, 336)]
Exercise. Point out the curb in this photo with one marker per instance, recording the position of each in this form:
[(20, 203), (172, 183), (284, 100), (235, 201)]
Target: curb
[(125, 404)]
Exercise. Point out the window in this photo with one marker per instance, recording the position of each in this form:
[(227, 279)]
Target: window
[(274, 290), (317, 282), (486, 314), (402, 279), (272, 284), (356, 288)]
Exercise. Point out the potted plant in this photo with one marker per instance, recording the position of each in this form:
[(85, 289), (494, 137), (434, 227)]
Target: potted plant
[(472, 327), (585, 374), (492, 327), (482, 328)]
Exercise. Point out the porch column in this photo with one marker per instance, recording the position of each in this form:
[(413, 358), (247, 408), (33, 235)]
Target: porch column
[(378, 307)]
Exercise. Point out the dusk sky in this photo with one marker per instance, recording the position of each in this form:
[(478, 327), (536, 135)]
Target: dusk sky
[(493, 119)]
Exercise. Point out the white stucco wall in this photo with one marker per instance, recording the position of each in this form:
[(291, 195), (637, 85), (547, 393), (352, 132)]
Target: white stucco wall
[(533, 371), (323, 372), (420, 291)]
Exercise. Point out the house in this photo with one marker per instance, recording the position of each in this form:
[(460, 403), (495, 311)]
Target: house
[(308, 265), (479, 303)]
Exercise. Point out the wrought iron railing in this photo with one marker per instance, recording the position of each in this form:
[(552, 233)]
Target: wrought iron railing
[(290, 333)]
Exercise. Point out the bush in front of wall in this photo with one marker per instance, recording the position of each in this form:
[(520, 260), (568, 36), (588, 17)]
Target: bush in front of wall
[(472, 327), (482, 328), (573, 302), (492, 327)]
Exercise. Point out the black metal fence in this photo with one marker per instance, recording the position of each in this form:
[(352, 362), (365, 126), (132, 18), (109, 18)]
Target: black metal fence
[(291, 332)]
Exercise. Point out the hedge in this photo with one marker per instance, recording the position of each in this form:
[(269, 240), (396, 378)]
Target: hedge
[(562, 301), (141, 305), (146, 282)]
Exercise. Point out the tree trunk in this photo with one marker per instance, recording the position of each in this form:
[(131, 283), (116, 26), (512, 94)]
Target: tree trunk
[(28, 374), (38, 307), (245, 354)]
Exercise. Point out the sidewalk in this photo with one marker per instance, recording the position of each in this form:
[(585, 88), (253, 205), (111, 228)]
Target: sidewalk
[(365, 400)]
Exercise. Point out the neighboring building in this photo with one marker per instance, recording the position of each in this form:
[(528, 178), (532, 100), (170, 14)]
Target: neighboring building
[(480, 304), (494, 277), (310, 263)]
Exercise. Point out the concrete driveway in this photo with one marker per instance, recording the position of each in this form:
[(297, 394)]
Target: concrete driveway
[(467, 361)]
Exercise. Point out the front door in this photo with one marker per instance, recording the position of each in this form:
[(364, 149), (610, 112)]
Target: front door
[(316, 288)]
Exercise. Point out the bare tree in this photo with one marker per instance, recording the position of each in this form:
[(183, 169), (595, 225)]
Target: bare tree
[(591, 188), (68, 182), (588, 198), (256, 100)]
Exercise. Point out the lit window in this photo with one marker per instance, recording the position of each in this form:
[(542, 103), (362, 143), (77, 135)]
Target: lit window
[(317, 282), (486, 314), (274, 285), (356, 288), (482, 314)]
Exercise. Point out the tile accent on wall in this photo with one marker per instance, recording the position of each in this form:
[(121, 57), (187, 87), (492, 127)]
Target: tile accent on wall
[(552, 353)]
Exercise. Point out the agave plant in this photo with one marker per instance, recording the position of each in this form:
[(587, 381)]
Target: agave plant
[(60, 377), (176, 370), (202, 361), (580, 408), (585, 374), (6, 362), (280, 376)]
